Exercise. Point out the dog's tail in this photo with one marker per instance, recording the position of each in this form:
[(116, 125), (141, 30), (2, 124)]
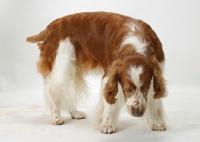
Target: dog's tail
[(37, 38)]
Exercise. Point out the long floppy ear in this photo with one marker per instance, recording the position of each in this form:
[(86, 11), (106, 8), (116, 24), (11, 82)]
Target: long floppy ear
[(111, 87), (158, 82)]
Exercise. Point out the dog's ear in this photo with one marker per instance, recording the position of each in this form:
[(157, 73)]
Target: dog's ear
[(111, 87), (158, 82)]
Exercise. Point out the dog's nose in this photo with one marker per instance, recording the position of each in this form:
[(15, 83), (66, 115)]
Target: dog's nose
[(138, 113)]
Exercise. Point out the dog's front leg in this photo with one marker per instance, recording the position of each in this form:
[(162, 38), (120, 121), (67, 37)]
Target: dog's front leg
[(107, 114), (154, 113), (109, 119)]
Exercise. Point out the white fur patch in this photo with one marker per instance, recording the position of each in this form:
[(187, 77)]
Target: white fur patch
[(135, 73), (65, 85), (137, 99), (131, 26), (138, 43)]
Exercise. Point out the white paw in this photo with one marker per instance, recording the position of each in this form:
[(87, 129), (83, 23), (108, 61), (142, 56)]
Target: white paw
[(57, 120), (107, 128), (78, 115), (159, 127)]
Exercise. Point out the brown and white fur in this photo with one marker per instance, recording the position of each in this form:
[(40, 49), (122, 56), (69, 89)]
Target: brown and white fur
[(126, 49)]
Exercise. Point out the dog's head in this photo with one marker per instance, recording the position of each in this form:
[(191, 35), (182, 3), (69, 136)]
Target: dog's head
[(134, 73)]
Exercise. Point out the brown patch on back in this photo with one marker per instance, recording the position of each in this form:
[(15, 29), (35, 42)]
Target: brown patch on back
[(96, 36)]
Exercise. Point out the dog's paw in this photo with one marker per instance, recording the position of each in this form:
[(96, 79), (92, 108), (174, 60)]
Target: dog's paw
[(57, 120), (159, 127), (107, 128), (78, 115)]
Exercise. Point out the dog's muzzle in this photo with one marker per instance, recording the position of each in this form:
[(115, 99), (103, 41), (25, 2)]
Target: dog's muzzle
[(138, 113)]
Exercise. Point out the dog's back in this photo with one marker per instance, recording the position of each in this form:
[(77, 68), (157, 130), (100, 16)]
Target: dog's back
[(90, 33), (96, 36)]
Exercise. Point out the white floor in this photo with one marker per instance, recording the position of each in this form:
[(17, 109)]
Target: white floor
[(23, 118)]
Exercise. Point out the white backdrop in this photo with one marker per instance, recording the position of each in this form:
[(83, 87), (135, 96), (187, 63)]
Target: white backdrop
[(177, 23)]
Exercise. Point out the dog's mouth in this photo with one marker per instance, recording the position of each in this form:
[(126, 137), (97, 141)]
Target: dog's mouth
[(135, 111), (138, 113)]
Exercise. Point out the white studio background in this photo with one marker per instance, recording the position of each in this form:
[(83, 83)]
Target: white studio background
[(177, 23)]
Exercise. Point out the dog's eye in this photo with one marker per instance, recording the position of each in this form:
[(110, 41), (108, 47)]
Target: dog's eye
[(129, 90), (145, 90)]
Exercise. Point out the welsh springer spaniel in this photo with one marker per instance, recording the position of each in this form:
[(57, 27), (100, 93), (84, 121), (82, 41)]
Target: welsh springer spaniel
[(128, 52)]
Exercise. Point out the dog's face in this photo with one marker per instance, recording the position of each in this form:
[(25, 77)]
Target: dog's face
[(135, 75), (135, 82)]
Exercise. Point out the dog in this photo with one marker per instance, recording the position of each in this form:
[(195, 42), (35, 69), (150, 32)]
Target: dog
[(128, 52)]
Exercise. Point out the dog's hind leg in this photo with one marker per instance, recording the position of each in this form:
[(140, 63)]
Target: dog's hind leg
[(51, 92), (65, 85), (81, 92), (78, 114)]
